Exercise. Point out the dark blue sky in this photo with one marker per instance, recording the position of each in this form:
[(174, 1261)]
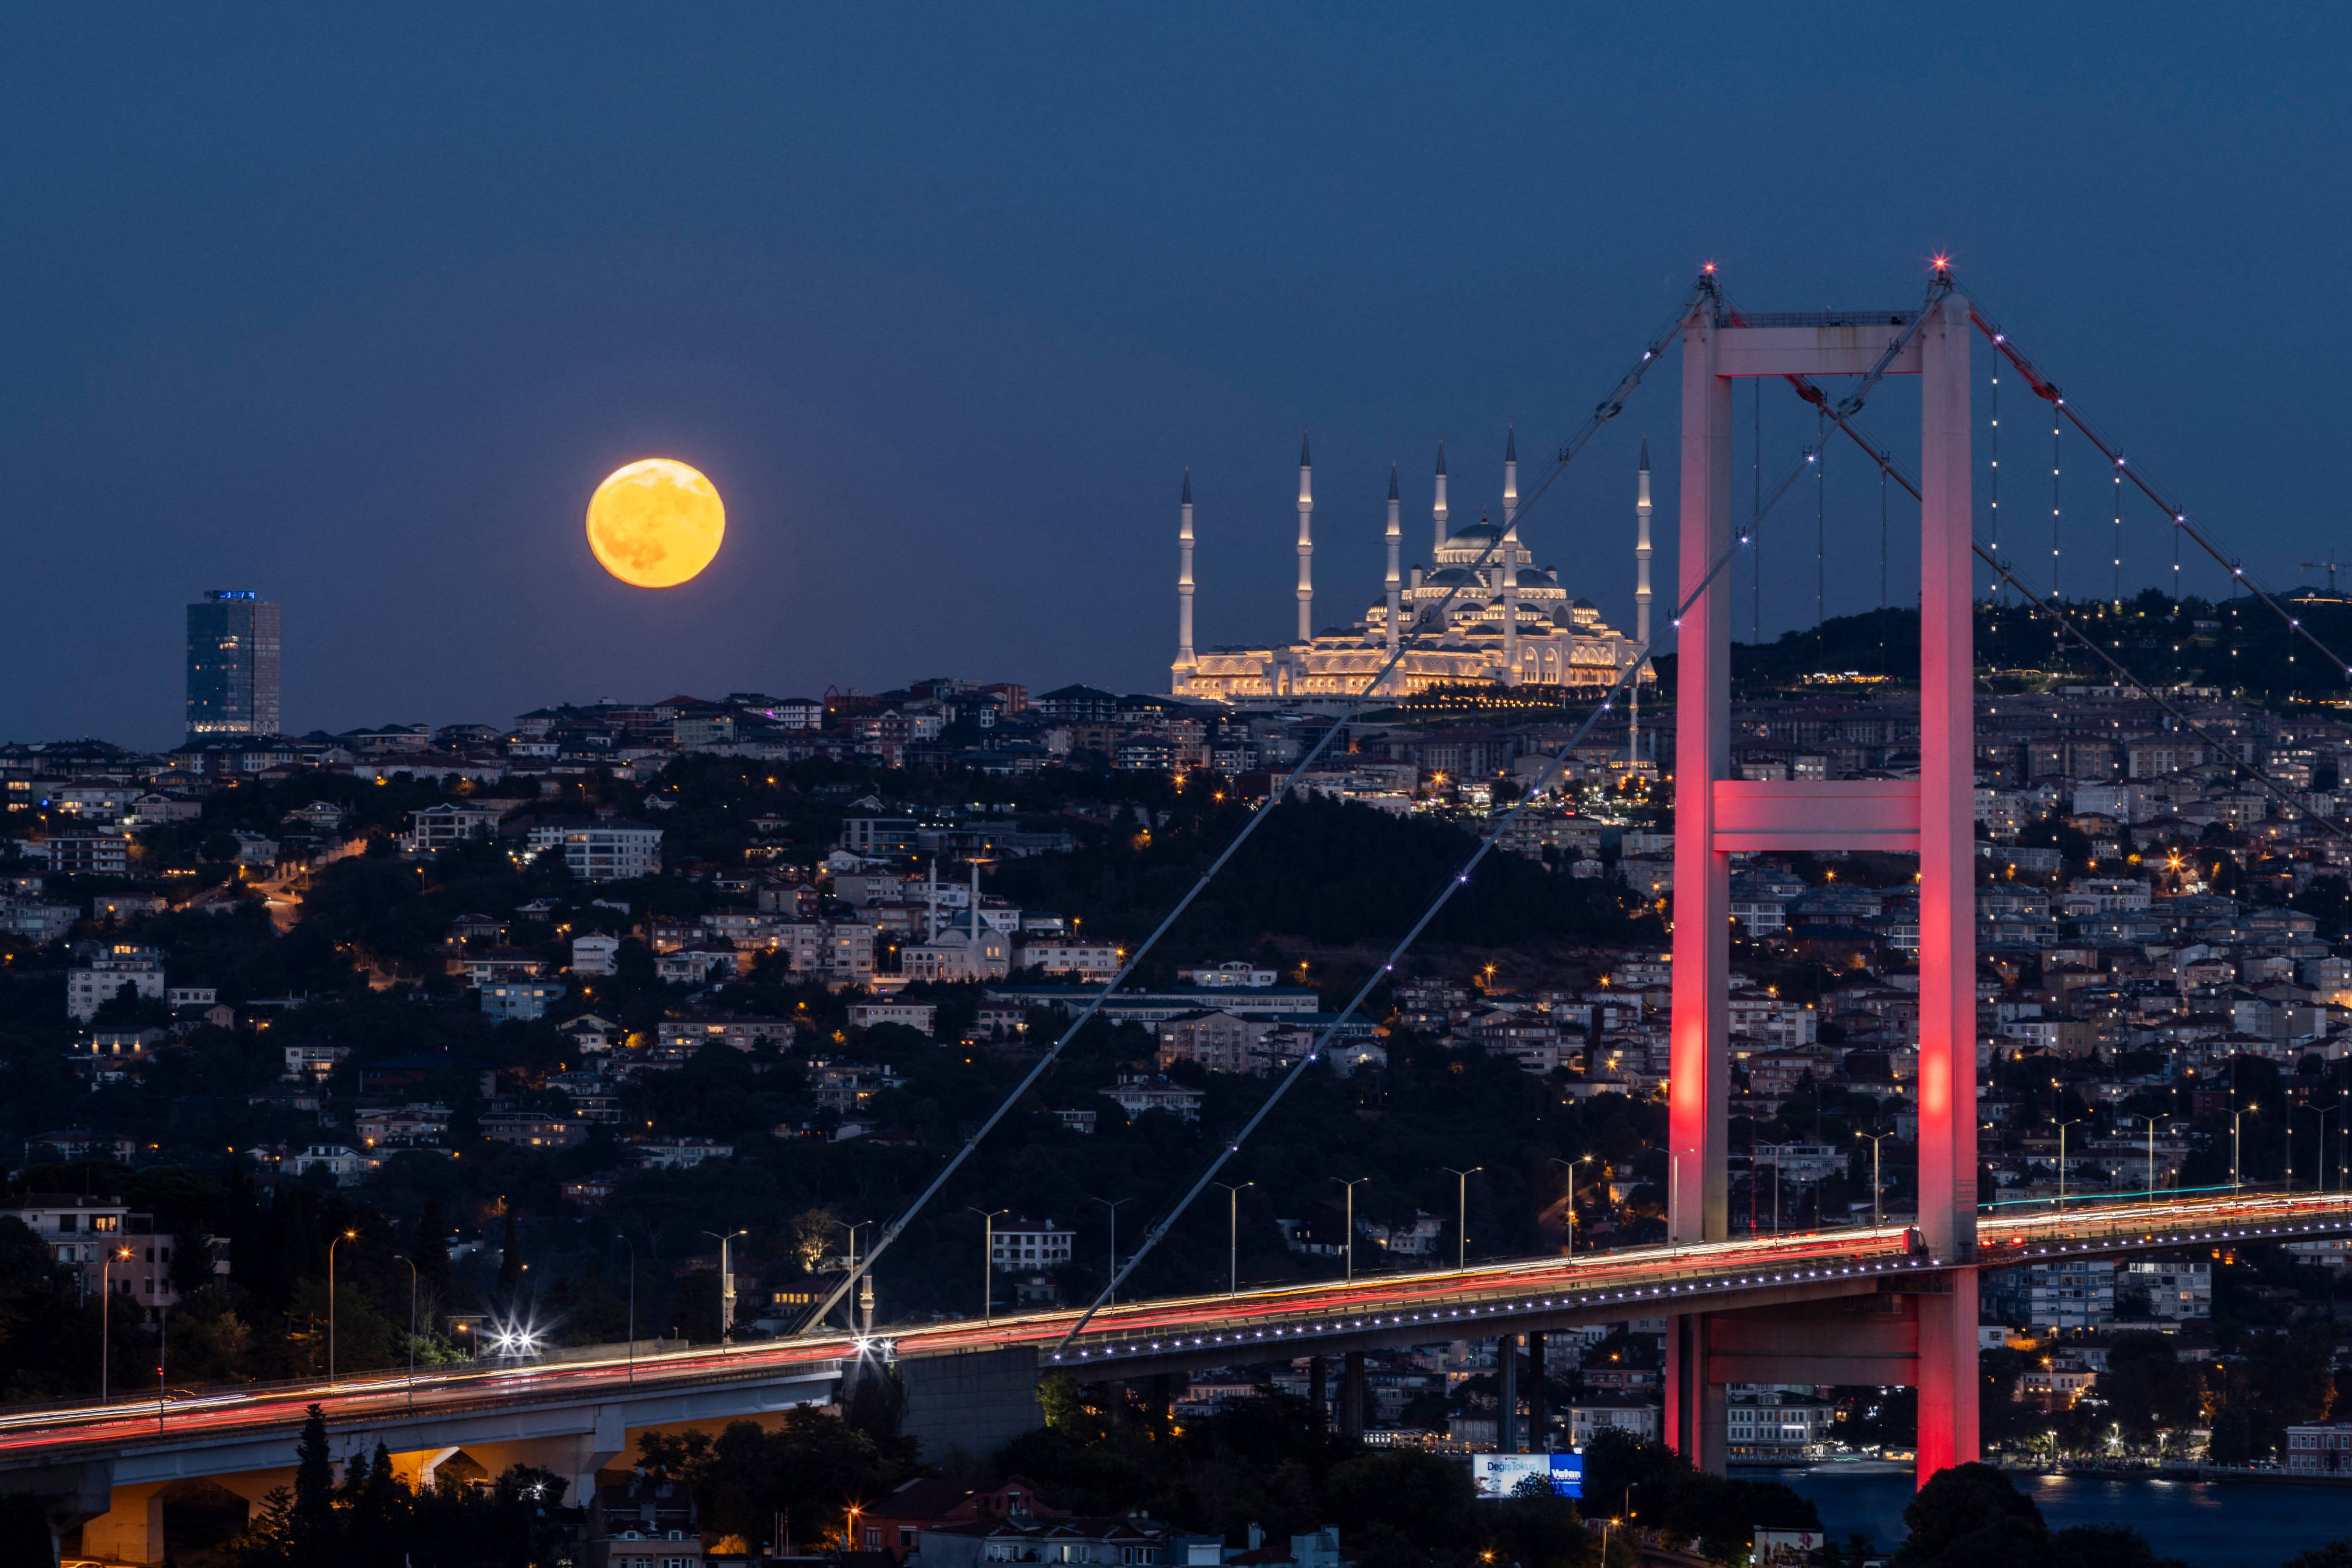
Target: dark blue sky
[(354, 305)]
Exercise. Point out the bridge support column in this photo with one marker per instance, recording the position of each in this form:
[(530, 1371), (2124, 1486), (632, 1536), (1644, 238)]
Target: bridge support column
[(1539, 1408), (1319, 1392), (1352, 1396), (1507, 1399), (1947, 931), (1947, 1376), (593, 1451), (132, 1529), (1697, 1413), (1699, 1030)]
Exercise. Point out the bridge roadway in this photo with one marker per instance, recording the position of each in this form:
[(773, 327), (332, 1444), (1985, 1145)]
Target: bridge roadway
[(251, 1427)]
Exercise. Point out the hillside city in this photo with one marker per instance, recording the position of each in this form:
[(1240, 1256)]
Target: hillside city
[(634, 1021)]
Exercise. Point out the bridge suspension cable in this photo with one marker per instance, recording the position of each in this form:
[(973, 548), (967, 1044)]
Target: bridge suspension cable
[(2198, 533), (1606, 410), (1808, 460), (2064, 624)]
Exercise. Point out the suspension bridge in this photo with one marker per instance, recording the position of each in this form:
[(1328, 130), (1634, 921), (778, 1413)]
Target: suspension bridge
[(1880, 1304)]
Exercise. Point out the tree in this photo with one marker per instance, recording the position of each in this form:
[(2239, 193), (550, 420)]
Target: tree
[(2335, 1554), (2147, 1386), (1973, 1514), (314, 1537)]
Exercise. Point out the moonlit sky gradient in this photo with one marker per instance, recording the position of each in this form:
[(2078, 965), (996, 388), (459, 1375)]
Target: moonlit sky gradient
[(354, 307)]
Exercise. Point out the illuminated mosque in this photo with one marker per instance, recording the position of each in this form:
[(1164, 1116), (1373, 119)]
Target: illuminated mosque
[(1483, 614)]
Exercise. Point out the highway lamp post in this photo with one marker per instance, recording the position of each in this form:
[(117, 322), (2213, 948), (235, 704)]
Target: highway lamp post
[(726, 1286), (1570, 1166), (2062, 1159), (1462, 1214), (346, 1236), (1352, 1187), (987, 1258), (1233, 1235), (632, 1245), (2235, 1118), (2319, 1157), (105, 1317), (2151, 1121), (1877, 1191), (162, 1360), (1112, 1204), (1775, 1149), (412, 1327)]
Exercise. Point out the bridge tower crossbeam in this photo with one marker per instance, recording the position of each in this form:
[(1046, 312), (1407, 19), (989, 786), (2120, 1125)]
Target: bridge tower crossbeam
[(1716, 814)]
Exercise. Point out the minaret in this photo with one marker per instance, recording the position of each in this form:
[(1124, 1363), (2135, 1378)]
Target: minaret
[(1510, 478), (1438, 513), (1641, 591), (1305, 542), (1396, 544), (1510, 552), (1184, 576)]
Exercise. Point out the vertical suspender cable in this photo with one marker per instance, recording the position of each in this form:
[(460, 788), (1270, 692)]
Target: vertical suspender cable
[(2120, 535), (2057, 427), (1821, 532), (1994, 589), (1756, 456)]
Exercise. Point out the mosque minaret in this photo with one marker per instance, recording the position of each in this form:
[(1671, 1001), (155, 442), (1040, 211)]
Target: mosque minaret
[(1306, 543), (1184, 579), (1479, 614)]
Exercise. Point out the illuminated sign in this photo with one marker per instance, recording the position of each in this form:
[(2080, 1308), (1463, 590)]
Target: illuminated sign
[(1512, 1475)]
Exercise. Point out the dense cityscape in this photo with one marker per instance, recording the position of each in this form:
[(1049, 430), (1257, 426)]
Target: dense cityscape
[(524, 1019)]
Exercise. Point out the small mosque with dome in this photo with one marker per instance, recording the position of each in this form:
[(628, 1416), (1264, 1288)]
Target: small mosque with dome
[(1480, 613)]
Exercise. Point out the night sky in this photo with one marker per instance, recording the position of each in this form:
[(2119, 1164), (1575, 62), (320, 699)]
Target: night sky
[(354, 305)]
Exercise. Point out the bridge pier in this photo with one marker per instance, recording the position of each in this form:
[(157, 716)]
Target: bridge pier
[(131, 1527), (1538, 1407), (1319, 1369), (1506, 1401), (1352, 1396)]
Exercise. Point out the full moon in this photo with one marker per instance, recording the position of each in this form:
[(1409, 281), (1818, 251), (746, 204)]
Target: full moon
[(656, 523)]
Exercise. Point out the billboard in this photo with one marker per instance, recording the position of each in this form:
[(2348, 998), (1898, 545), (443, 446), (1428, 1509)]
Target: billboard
[(1504, 1475), (1785, 1548)]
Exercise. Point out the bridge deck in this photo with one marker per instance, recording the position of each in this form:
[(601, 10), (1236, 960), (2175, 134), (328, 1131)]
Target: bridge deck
[(1140, 1338)]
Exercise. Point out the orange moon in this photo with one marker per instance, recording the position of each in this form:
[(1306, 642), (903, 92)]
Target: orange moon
[(656, 523)]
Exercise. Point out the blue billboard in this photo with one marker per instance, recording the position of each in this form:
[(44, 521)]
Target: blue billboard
[(1514, 1475)]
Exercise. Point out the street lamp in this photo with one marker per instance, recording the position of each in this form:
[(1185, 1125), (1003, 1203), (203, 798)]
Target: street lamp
[(1878, 1192), (412, 1326), (2151, 1121), (105, 1315), (1112, 1204), (2062, 1160), (987, 1258), (1352, 1187), (1232, 1234), (346, 1236), (2320, 1159), (2235, 1117), (726, 1285), (1461, 1213), (1570, 1166), (1775, 1149), (632, 1245)]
